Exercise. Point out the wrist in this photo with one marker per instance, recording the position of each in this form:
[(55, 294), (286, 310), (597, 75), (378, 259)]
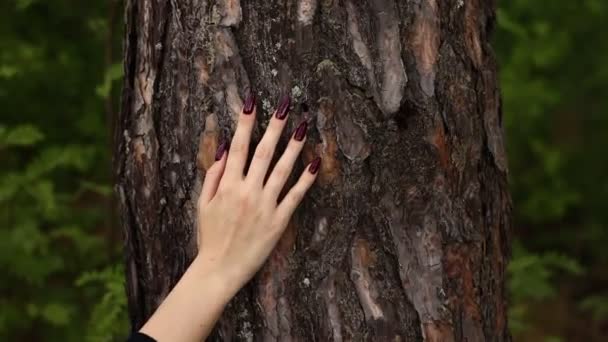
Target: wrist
[(223, 281), (193, 306)]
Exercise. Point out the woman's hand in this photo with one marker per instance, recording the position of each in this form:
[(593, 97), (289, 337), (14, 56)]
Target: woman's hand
[(239, 223), (239, 219)]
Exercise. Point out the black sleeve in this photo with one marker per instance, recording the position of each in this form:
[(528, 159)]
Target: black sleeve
[(139, 337)]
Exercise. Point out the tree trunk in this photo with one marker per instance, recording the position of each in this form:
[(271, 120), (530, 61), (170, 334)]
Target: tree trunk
[(404, 237)]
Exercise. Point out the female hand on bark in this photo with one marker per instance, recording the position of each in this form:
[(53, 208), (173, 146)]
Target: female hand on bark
[(240, 220)]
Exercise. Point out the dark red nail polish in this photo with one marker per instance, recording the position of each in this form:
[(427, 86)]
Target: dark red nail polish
[(301, 131), (283, 107), (221, 150), (314, 166), (249, 103)]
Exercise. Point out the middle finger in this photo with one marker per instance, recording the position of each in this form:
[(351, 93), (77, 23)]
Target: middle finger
[(265, 149)]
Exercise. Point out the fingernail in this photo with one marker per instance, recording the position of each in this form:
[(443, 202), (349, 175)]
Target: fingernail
[(249, 103), (314, 166), (283, 107), (301, 131), (304, 107), (221, 150)]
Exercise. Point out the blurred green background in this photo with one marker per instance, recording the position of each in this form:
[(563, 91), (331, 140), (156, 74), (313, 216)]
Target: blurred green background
[(60, 250)]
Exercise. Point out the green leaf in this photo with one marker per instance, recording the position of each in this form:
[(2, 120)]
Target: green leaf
[(100, 189), (43, 193), (56, 314), (8, 71), (23, 135), (9, 186), (73, 156), (81, 240), (24, 4), (113, 73)]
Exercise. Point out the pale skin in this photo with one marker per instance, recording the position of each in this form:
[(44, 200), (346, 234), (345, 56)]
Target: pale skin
[(240, 220)]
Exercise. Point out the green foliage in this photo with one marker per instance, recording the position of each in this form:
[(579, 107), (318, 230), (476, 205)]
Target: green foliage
[(113, 73), (22, 135), (52, 238), (108, 319), (58, 246), (597, 305), (552, 78), (533, 277)]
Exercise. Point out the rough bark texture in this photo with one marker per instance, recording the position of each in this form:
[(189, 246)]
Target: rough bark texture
[(405, 236)]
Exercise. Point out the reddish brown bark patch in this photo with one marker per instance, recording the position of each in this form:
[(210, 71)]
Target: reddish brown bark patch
[(437, 332), (139, 151), (498, 264), (208, 143), (439, 141), (425, 43), (471, 27), (459, 261)]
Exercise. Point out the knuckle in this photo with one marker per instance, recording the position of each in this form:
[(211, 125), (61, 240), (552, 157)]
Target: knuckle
[(245, 122), (263, 152), (212, 172), (295, 196), (293, 148), (244, 203), (244, 197), (245, 119), (281, 172), (238, 147), (278, 227), (222, 190), (280, 222)]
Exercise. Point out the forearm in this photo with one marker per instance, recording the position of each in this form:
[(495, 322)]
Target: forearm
[(193, 306)]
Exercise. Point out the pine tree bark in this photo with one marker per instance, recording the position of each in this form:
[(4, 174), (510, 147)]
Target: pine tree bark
[(405, 236)]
